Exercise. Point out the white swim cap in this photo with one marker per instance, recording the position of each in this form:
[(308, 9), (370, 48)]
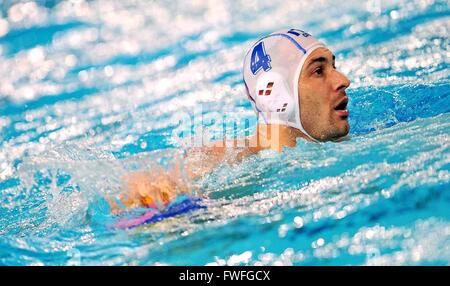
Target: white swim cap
[(272, 68)]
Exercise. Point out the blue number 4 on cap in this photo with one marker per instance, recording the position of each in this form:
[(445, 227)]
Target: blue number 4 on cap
[(259, 59)]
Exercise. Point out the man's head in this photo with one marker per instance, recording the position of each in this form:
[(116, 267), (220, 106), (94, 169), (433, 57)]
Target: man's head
[(322, 97), (291, 80)]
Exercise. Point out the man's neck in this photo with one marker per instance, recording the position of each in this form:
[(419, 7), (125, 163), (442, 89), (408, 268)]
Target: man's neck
[(275, 136)]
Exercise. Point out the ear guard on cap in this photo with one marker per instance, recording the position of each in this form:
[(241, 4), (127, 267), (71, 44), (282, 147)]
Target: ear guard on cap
[(273, 98)]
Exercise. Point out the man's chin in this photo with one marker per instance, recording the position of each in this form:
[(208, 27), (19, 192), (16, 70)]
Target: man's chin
[(342, 132), (346, 129), (343, 138), (334, 132)]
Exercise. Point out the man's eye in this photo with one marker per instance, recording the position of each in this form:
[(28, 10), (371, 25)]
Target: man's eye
[(318, 71)]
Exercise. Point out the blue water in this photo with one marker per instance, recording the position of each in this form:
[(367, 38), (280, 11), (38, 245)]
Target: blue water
[(92, 90)]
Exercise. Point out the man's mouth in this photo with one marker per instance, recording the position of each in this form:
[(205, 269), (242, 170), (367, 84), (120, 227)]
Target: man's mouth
[(341, 108)]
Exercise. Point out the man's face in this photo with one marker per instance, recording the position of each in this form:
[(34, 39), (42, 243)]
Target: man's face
[(323, 101)]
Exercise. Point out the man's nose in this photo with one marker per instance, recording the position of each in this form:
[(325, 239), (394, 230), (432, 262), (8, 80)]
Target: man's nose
[(341, 82)]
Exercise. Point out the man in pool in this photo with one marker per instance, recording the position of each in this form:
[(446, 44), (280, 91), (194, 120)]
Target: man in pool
[(292, 83)]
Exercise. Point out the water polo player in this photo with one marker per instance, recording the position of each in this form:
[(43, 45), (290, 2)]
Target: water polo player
[(296, 91)]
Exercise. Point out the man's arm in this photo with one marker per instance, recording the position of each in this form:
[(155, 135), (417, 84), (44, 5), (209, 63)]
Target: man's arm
[(157, 187)]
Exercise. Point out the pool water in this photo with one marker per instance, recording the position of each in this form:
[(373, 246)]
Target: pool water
[(90, 90)]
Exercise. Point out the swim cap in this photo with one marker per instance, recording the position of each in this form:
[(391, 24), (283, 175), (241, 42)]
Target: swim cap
[(272, 68)]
